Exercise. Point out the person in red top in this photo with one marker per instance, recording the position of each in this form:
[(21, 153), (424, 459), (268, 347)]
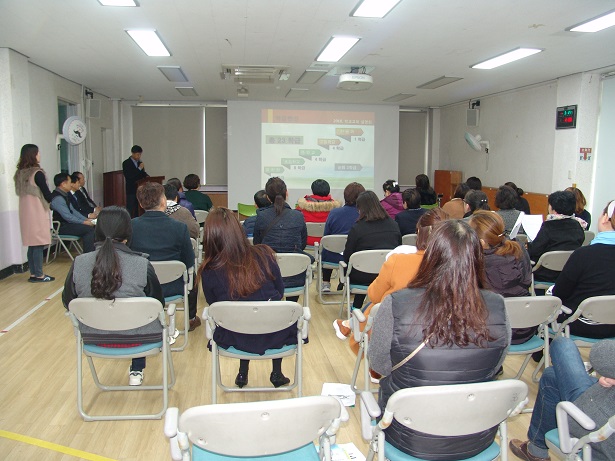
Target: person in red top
[(316, 207)]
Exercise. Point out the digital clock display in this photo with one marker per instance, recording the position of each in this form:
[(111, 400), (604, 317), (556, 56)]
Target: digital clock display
[(566, 117)]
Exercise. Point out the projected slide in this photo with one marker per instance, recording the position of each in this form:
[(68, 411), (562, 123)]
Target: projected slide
[(300, 146)]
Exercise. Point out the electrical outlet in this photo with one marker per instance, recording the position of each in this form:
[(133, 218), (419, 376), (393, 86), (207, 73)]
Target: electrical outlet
[(569, 174)]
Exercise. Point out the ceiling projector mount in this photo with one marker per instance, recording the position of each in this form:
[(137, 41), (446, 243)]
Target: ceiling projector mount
[(355, 80)]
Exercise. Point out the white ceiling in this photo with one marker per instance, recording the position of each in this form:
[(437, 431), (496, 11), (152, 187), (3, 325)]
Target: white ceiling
[(417, 42)]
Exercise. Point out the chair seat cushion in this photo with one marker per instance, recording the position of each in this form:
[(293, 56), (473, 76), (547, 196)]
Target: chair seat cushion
[(553, 437), (584, 339), (291, 290), (393, 454), (305, 453), (360, 289), (69, 237), (170, 299), (121, 350), (534, 343), (281, 350)]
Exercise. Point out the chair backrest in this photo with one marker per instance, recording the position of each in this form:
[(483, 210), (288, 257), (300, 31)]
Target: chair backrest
[(115, 314), (522, 239), (589, 236), (369, 261), (315, 229), (255, 317), (598, 309), (293, 263), (408, 239), (553, 260), (246, 210), (255, 429), (530, 311), (169, 271), (457, 409), (200, 216), (195, 246), (333, 243)]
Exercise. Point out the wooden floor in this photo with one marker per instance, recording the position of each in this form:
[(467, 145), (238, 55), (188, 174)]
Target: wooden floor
[(38, 381)]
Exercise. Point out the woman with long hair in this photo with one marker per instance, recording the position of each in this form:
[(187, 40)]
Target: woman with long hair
[(392, 201), (508, 271), (113, 271), (428, 195), (34, 199), (579, 209), (235, 270), (458, 329)]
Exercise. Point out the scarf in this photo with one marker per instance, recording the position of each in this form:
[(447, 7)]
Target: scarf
[(605, 238), (172, 207), (556, 217)]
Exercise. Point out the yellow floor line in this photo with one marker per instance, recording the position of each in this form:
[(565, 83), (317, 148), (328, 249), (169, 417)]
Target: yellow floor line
[(53, 446)]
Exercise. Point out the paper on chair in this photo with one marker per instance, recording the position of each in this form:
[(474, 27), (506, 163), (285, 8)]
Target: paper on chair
[(343, 392), (517, 226), (531, 225), (346, 452)]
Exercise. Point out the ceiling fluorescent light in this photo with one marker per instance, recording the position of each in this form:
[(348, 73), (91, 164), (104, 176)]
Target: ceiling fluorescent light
[(311, 76), (186, 90), (438, 82), (399, 97), (149, 42), (336, 48), (373, 8), (297, 92), (595, 24), (510, 56), (173, 73), (118, 2)]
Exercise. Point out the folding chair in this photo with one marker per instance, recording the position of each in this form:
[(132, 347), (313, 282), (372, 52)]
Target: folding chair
[(532, 311), (62, 240), (589, 236), (281, 430), (362, 337), (334, 244), (294, 264), (118, 315), (256, 317), (368, 261), (599, 309), (246, 210), (314, 229), (169, 271), (450, 410), (408, 239), (553, 260), (565, 446)]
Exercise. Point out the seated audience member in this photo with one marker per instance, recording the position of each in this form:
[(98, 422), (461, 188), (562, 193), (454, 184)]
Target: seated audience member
[(475, 200), (463, 327), (234, 270), (522, 203), (73, 198), (579, 209), (407, 219), (164, 239), (428, 195), (316, 207), (199, 200), (114, 271), (179, 213), (71, 221), (183, 201), (374, 230), (397, 271), (508, 271), (455, 208), (282, 228), (392, 201), (568, 380), (506, 199), (474, 183), (339, 222), (560, 232), (85, 202), (260, 201), (589, 272)]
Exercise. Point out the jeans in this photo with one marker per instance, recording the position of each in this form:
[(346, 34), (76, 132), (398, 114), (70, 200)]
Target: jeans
[(35, 260), (567, 379)]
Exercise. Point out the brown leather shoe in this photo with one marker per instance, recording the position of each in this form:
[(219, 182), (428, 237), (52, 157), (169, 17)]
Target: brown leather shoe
[(194, 323), (520, 450)]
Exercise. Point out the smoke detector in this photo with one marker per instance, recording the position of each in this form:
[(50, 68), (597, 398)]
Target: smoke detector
[(355, 82)]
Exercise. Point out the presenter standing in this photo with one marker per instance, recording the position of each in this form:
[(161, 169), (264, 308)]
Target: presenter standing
[(134, 169)]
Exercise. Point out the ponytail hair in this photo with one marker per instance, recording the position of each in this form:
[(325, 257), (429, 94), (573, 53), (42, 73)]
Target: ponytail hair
[(390, 185), (113, 224), (276, 191), (489, 227)]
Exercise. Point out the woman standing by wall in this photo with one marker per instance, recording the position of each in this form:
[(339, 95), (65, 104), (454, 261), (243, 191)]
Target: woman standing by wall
[(34, 198)]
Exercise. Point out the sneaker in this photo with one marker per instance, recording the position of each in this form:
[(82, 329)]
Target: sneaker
[(520, 450), (135, 378), (341, 331), (44, 278), (194, 323), (326, 287)]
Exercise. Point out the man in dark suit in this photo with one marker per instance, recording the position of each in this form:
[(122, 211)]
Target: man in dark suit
[(81, 194), (134, 169), (164, 239), (76, 200)]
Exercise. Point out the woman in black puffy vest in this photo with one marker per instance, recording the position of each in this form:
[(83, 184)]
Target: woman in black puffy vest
[(465, 329)]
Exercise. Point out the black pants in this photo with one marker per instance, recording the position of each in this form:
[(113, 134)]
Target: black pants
[(132, 205), (80, 230)]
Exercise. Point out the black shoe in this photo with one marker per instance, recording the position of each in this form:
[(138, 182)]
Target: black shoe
[(44, 278), (278, 379), (241, 380)]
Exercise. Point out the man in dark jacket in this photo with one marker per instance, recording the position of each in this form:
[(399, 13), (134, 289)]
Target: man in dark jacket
[(133, 169)]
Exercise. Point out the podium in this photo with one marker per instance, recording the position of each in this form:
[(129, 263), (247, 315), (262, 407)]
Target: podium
[(140, 182)]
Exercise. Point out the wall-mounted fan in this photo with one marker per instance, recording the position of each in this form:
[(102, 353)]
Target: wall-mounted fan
[(477, 143)]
